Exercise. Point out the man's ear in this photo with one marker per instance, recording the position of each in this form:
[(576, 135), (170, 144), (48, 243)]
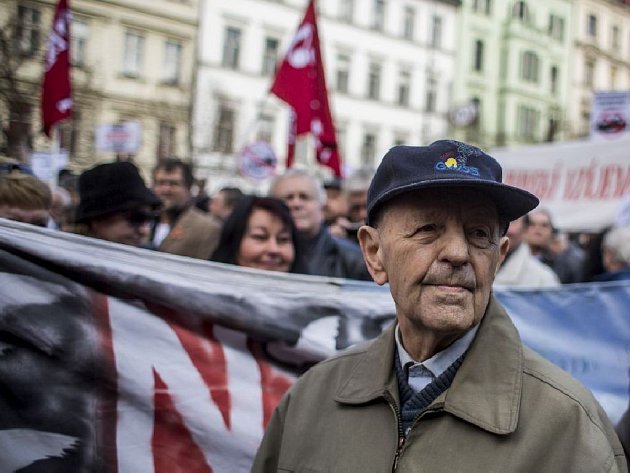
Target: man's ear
[(370, 242), (504, 246)]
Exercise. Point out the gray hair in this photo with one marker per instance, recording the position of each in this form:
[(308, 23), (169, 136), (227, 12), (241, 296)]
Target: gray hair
[(617, 241), (318, 186)]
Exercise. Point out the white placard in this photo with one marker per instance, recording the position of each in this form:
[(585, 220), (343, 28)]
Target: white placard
[(119, 137)]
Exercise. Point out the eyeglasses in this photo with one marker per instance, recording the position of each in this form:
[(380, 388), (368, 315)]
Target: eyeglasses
[(8, 168), (138, 218)]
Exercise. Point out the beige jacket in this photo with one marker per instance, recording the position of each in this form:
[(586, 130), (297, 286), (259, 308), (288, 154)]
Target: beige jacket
[(508, 410), (195, 234)]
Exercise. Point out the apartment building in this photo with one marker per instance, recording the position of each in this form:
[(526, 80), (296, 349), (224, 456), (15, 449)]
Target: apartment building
[(132, 61), (389, 70)]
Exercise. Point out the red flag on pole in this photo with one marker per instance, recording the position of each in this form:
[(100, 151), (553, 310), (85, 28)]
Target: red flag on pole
[(56, 89), (300, 81)]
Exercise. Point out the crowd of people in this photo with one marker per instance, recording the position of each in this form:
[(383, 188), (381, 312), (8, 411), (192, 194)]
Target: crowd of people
[(396, 225), (303, 225)]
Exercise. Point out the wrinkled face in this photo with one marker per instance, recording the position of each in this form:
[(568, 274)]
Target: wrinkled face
[(300, 195), (129, 228), (37, 217), (171, 188), (266, 244), (439, 250), (538, 232)]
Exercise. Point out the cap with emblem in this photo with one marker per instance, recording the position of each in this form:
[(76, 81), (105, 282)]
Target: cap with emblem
[(445, 163)]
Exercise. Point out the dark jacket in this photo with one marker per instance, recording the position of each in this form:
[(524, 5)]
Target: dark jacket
[(507, 410), (327, 256)]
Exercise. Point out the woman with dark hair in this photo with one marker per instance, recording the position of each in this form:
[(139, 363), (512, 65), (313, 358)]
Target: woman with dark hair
[(260, 233)]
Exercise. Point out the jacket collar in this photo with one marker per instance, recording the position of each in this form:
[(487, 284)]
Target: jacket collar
[(486, 390)]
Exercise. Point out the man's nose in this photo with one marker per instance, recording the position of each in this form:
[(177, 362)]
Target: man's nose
[(455, 247)]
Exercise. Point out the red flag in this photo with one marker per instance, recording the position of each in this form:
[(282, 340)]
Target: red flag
[(56, 89), (300, 81)]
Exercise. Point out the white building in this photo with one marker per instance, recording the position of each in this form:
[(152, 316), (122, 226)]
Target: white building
[(601, 56), (389, 68)]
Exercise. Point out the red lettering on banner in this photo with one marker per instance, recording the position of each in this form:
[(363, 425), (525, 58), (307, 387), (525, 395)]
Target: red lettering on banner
[(174, 449), (274, 385), (597, 183), (541, 182), (206, 353)]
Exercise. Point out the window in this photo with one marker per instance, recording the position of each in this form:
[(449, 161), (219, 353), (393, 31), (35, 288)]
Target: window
[(224, 129), (430, 98), (342, 74), (589, 73), (591, 26), (374, 81), (368, 149), (553, 87), (478, 56), (521, 11), (556, 27), (172, 62), (436, 31), (264, 131), (346, 10), (409, 19), (27, 33), (482, 6), (270, 56), (231, 47), (166, 141), (615, 38), (529, 66), (133, 54), (378, 14), (404, 86), (526, 122), (79, 39), (614, 74)]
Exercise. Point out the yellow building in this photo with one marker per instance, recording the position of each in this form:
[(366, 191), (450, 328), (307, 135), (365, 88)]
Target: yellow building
[(132, 61)]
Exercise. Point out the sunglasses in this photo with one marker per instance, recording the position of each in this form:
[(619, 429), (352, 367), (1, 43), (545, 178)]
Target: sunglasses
[(137, 218)]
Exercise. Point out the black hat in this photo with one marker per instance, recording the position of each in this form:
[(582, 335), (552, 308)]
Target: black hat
[(445, 163), (112, 187)]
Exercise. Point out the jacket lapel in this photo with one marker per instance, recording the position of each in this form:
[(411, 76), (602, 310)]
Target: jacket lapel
[(486, 390)]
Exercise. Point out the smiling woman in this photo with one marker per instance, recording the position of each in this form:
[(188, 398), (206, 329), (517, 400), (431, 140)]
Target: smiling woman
[(260, 233)]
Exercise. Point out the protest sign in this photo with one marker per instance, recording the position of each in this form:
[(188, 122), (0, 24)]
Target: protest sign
[(582, 183)]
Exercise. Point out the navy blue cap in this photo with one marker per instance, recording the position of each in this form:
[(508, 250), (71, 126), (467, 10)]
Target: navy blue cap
[(445, 164)]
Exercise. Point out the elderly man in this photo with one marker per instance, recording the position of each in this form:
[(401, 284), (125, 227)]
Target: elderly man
[(324, 254), (449, 387)]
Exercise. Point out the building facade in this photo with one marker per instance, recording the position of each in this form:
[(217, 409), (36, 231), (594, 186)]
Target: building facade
[(514, 65), (132, 61), (389, 68), (601, 56)]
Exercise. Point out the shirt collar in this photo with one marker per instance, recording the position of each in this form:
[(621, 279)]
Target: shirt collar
[(439, 362)]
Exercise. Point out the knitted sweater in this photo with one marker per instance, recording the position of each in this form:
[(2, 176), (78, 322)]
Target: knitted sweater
[(413, 403)]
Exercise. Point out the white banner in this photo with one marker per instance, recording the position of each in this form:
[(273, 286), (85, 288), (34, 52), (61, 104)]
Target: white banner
[(582, 183)]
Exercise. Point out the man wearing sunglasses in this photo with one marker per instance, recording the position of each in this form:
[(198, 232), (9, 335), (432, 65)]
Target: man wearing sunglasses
[(115, 204)]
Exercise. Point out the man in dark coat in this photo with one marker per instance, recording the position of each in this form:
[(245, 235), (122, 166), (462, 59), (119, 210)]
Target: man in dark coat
[(324, 254)]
